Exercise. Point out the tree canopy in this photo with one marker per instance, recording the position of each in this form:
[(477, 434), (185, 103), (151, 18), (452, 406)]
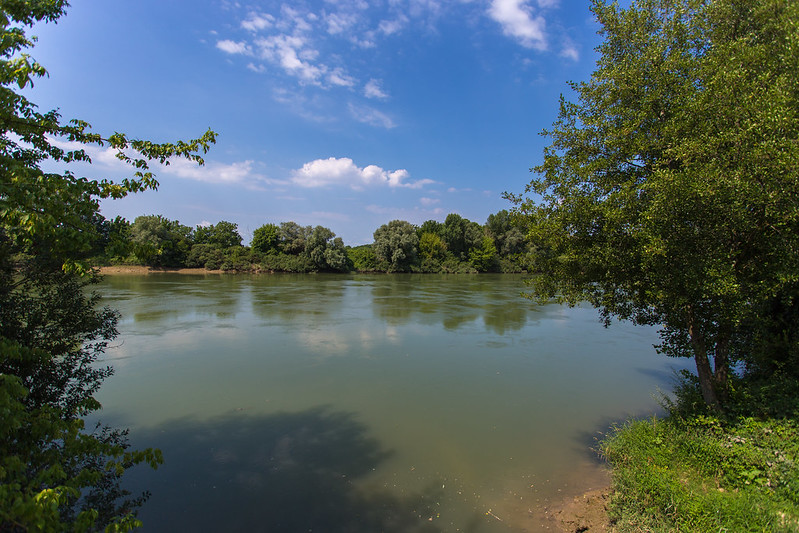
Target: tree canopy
[(669, 194)]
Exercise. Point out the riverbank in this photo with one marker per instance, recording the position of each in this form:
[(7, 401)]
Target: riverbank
[(584, 514), (143, 270)]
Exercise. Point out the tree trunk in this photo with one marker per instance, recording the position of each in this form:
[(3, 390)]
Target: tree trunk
[(703, 370), (721, 361)]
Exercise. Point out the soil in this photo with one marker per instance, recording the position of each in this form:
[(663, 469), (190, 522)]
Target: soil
[(137, 269), (584, 514)]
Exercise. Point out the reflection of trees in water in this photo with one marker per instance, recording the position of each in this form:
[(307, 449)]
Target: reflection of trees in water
[(505, 315), (159, 296), (289, 296), (286, 472), (450, 301)]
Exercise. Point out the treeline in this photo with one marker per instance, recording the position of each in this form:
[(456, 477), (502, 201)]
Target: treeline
[(456, 245)]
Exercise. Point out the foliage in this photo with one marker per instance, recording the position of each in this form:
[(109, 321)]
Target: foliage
[(281, 262), (292, 237), (265, 239), (205, 256), (699, 471), (461, 235), (220, 235), (160, 242), (484, 257), (363, 259), (669, 194), (432, 247), (325, 250), (54, 475), (396, 244)]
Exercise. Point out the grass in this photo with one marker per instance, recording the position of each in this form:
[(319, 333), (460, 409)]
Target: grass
[(697, 471)]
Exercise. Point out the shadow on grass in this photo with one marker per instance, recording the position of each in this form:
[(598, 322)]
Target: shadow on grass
[(285, 472)]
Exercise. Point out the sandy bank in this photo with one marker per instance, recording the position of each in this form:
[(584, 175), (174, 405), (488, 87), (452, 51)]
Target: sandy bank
[(143, 270)]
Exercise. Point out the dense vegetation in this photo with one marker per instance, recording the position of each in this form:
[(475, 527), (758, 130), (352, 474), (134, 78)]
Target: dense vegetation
[(455, 245), (55, 474), (670, 197), (703, 470)]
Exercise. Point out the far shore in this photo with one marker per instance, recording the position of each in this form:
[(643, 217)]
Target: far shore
[(140, 269)]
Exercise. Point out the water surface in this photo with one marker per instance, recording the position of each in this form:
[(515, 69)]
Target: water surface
[(359, 403)]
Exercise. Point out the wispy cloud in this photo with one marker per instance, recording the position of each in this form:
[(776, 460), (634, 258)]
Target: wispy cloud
[(258, 21), (239, 173), (517, 21), (233, 47), (414, 216), (372, 89), (344, 172), (314, 45), (369, 115)]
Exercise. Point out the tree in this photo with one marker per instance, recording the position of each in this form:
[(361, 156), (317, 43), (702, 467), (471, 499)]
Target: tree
[(325, 250), (431, 226), (431, 247), (396, 244), (54, 475), (220, 235), (266, 238), (484, 257), (160, 242), (669, 194), (293, 237), (461, 235)]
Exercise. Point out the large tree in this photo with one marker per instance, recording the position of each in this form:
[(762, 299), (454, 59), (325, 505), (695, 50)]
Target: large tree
[(54, 474), (670, 192), (396, 244)]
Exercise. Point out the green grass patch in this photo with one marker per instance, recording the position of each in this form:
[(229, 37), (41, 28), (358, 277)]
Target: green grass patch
[(705, 473)]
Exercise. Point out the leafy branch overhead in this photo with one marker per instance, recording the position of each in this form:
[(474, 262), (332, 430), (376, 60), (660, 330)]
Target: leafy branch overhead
[(38, 206), (55, 475)]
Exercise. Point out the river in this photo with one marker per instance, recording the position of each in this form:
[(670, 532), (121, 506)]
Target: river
[(366, 403)]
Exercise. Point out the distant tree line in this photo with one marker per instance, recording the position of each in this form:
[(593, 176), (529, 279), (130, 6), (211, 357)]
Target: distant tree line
[(456, 245)]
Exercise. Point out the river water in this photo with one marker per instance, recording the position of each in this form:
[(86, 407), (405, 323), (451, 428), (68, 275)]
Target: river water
[(359, 403)]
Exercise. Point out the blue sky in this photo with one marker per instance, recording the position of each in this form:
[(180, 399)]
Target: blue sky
[(345, 114)]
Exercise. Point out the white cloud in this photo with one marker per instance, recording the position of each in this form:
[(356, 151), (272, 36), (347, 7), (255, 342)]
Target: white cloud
[(232, 47), (340, 22), (570, 52), (288, 52), (390, 27), (338, 77), (257, 21), (237, 173), (517, 21), (372, 89), (343, 171), (371, 116), (427, 202)]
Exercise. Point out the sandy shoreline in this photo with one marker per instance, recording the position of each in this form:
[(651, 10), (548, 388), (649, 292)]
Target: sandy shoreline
[(143, 270)]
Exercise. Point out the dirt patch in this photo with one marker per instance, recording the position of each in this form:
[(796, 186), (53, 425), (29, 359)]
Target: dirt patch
[(587, 513), (142, 270)]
